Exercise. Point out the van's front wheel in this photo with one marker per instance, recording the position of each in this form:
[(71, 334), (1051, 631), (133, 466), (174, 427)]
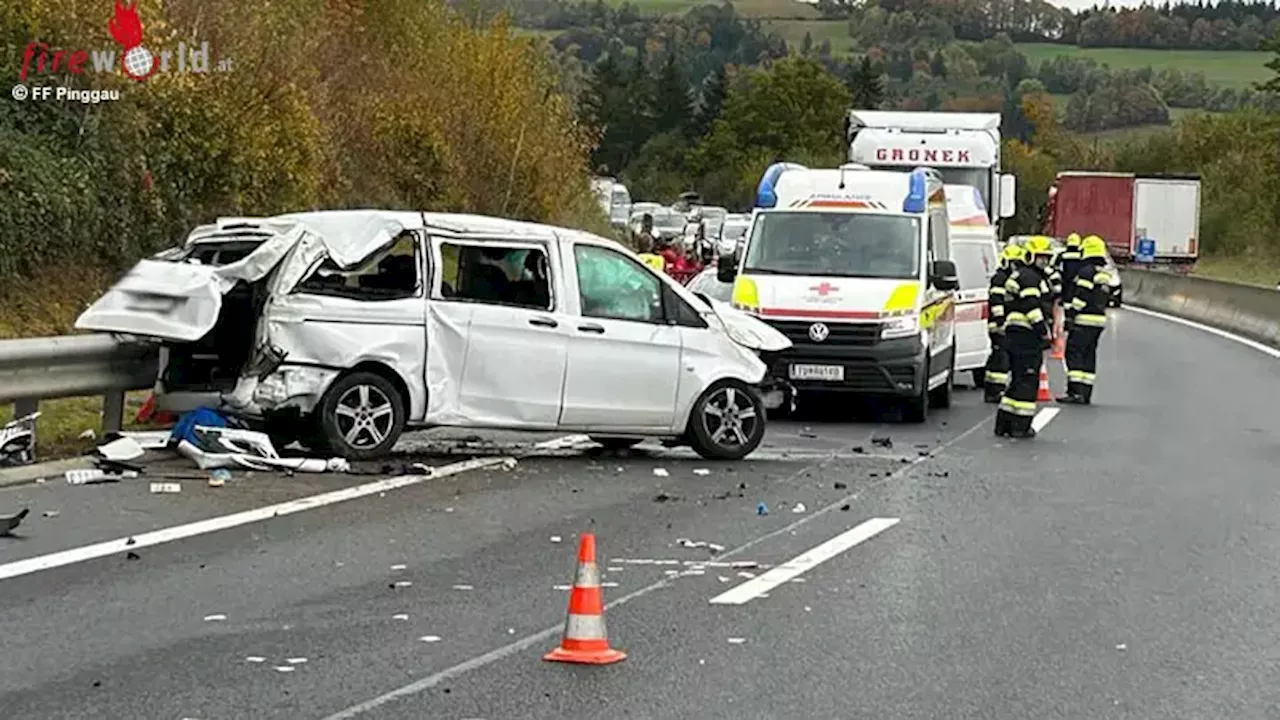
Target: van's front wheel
[(727, 421), (361, 416)]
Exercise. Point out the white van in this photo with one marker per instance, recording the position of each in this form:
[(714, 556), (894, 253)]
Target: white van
[(853, 266), (339, 329), (977, 255), (614, 199)]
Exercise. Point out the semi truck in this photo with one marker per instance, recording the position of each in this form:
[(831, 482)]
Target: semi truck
[(1142, 218), (963, 147)]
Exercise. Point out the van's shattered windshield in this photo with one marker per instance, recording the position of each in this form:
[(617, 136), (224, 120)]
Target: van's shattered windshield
[(835, 244)]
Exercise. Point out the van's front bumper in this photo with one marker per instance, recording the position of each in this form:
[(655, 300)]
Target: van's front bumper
[(895, 367)]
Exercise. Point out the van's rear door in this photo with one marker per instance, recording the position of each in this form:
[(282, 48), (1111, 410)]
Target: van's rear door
[(975, 264), (178, 301)]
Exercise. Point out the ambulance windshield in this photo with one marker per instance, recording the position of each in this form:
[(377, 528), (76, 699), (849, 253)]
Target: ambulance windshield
[(837, 244)]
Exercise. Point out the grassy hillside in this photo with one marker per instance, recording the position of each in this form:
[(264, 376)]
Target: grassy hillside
[(835, 31), (749, 8), (1234, 68), (1060, 101)]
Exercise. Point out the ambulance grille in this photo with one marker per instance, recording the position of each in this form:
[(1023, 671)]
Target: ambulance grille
[(841, 334)]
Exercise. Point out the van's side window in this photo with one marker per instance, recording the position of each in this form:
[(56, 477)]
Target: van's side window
[(496, 274), (938, 246), (613, 286), (389, 275)]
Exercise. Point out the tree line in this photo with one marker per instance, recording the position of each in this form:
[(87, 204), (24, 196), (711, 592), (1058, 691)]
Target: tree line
[(1227, 25), (396, 104)]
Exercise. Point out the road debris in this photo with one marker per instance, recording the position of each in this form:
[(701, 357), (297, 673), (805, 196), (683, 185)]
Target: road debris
[(122, 449), (430, 638), (762, 509), (94, 476), (18, 441), (844, 507), (745, 574), (941, 473), (686, 542), (715, 548), (859, 450), (401, 584), (664, 497), (132, 556), (51, 513), (398, 568), (799, 508), (808, 433), (215, 618), (737, 641), (284, 668), (296, 660), (204, 439), (464, 587), (509, 464), (400, 616), (556, 538), (723, 579), (9, 523), (88, 434), (256, 659), (701, 472), (744, 564), (883, 441), (661, 472), (166, 487), (841, 486), (1122, 647)]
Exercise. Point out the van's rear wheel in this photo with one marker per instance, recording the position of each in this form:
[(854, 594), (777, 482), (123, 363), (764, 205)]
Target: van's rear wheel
[(361, 416)]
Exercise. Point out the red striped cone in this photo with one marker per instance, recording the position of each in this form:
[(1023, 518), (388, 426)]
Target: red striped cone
[(585, 640), (1043, 394)]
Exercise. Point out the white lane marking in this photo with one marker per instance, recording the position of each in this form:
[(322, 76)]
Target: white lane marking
[(501, 653), (181, 532), (1273, 352), (757, 587), (1044, 417)]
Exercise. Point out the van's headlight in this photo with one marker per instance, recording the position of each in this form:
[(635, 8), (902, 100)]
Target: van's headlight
[(743, 336), (900, 327)]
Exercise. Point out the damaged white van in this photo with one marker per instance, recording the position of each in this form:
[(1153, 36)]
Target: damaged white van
[(340, 329)]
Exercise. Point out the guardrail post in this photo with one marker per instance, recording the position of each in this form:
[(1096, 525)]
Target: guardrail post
[(112, 411), (23, 407)]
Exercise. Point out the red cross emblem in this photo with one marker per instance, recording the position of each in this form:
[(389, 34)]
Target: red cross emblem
[(824, 288)]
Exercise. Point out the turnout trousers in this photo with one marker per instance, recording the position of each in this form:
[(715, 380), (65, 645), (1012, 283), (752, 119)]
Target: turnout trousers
[(1082, 360), (1018, 406), (996, 378)]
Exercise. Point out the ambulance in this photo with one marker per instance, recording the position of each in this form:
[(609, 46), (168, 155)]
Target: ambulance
[(853, 266), (975, 252)]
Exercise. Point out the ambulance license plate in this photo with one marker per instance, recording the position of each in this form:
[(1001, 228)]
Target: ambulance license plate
[(831, 373)]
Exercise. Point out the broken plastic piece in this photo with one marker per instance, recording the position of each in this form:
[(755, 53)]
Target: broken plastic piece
[(88, 434), (799, 508), (762, 509), (166, 487), (701, 471), (841, 486), (661, 472), (556, 538), (509, 463), (8, 523), (122, 449)]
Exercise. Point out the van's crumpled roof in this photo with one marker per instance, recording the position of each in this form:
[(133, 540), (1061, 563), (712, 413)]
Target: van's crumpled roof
[(349, 236)]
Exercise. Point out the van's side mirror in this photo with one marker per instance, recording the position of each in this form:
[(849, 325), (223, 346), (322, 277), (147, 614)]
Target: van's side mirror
[(727, 267), (943, 275), (1008, 195)]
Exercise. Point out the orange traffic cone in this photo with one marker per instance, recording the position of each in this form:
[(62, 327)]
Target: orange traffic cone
[(1059, 338), (585, 640), (1043, 394)]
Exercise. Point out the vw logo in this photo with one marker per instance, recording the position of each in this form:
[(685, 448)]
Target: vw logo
[(819, 332)]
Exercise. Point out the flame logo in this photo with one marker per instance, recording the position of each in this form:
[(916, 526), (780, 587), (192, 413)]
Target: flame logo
[(125, 26), (136, 61)]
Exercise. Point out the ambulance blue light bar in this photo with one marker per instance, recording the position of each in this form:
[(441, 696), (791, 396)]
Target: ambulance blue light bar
[(916, 189), (766, 191)]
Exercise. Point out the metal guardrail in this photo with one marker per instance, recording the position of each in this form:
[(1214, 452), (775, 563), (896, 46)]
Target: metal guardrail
[(47, 368)]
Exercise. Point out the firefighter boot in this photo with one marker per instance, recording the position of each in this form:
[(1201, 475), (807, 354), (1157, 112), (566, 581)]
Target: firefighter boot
[(1020, 428), (1002, 424), (1074, 396), (991, 393)]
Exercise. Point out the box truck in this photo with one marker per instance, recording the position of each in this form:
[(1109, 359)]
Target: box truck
[(1142, 218)]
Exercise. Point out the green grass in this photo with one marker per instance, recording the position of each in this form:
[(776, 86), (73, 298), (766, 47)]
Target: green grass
[(1129, 133), (1229, 68), (748, 8), (1259, 271), (835, 31)]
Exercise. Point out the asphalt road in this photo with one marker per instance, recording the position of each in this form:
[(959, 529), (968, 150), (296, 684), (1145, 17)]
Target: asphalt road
[(1122, 565)]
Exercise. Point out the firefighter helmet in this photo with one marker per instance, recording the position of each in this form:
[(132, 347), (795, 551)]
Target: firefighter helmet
[(1093, 247)]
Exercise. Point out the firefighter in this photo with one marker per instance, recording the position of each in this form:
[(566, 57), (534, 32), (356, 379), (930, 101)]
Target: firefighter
[(997, 376), (1026, 337), (1089, 304), (1068, 266)]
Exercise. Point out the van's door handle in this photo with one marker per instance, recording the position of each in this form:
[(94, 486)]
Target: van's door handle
[(544, 322), (591, 328)]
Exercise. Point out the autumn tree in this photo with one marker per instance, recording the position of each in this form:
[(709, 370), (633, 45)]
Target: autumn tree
[(865, 84)]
